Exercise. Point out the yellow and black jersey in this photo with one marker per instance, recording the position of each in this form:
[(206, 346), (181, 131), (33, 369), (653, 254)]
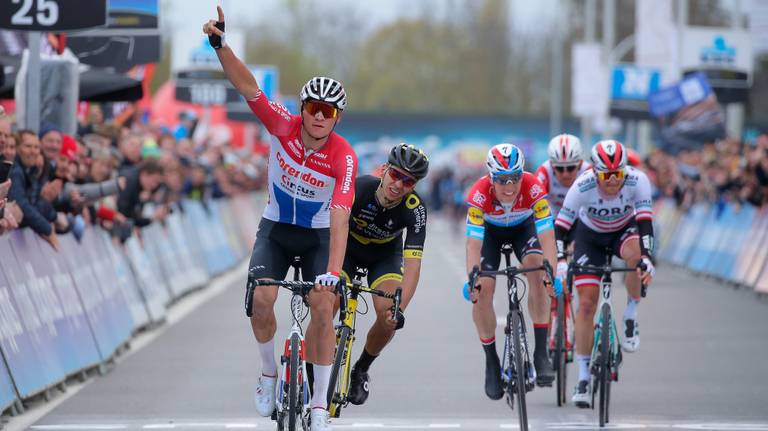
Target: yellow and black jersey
[(370, 223)]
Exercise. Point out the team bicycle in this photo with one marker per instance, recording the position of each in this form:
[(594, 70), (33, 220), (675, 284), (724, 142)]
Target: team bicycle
[(329, 223)]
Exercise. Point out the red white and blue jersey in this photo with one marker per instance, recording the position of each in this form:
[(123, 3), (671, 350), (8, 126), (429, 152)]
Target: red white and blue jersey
[(603, 213), (304, 184), (484, 207), (555, 191)]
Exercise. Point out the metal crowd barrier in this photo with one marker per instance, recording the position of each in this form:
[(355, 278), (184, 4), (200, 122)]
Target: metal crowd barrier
[(723, 240), (63, 313)]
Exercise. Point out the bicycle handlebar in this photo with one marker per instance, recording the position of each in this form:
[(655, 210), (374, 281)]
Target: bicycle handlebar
[(296, 286), (608, 269), (509, 271)]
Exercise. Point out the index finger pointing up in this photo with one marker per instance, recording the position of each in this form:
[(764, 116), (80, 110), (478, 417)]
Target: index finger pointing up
[(221, 13)]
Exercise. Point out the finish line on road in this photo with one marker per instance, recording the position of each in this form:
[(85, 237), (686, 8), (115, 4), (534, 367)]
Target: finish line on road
[(400, 424)]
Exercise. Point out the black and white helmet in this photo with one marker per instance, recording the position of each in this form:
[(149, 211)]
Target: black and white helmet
[(326, 90), (410, 159)]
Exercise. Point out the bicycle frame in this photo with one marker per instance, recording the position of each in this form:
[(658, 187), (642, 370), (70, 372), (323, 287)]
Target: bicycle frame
[(338, 390)]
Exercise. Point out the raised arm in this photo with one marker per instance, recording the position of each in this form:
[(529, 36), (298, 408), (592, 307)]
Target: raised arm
[(236, 71)]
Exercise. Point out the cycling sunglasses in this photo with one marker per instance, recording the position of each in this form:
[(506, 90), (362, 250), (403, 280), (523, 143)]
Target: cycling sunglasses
[(313, 107), (605, 176), (562, 169), (408, 181), (505, 179)]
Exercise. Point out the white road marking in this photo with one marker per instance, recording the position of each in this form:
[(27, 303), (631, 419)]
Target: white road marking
[(472, 424), (81, 427)]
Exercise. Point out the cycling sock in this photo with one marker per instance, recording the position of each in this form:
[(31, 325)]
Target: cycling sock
[(583, 361), (365, 361), (320, 395), (540, 332), (631, 311), (310, 376), (268, 364), (489, 346)]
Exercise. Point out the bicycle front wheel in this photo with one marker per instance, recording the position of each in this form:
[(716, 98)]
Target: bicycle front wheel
[(338, 385), (605, 363), (560, 354), (294, 404), (521, 372)]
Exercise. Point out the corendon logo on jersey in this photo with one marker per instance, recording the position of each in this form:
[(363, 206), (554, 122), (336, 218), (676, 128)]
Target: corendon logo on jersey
[(347, 184), (307, 177)]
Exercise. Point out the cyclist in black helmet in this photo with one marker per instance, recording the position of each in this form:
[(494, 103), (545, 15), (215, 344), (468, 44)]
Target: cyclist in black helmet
[(384, 208)]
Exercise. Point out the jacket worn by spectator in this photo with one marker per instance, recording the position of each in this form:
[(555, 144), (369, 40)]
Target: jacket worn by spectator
[(144, 179), (25, 190)]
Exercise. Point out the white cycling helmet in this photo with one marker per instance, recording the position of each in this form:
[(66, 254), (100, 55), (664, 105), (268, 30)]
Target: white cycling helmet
[(326, 90), (505, 159), (564, 149), (609, 155)]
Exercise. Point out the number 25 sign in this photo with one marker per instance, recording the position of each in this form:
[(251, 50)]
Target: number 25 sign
[(52, 15)]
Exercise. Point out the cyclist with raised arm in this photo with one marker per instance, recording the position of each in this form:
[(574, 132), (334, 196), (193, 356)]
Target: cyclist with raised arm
[(612, 202), (311, 187), (509, 206), (384, 208)]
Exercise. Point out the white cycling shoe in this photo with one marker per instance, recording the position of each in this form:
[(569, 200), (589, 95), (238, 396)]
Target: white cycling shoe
[(631, 341), (582, 397), (265, 396), (319, 420)]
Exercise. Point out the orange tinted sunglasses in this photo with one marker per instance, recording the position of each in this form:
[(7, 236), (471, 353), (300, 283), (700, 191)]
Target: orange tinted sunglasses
[(313, 107), (605, 176)]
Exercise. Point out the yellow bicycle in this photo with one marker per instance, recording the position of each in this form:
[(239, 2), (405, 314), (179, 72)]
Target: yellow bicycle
[(338, 386)]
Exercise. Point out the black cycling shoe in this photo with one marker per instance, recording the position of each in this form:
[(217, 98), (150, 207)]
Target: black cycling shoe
[(493, 386), (545, 374), (358, 387)]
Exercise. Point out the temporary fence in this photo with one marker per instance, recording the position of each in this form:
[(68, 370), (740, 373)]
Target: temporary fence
[(67, 311), (723, 240)]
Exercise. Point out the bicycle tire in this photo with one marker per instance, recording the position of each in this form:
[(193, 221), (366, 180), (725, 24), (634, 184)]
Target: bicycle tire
[(521, 372), (560, 353), (335, 385), (605, 372), (294, 408)]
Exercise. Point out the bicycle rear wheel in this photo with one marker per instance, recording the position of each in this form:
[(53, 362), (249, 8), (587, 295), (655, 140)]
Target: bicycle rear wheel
[(521, 372), (605, 362), (339, 385), (294, 404), (561, 355)]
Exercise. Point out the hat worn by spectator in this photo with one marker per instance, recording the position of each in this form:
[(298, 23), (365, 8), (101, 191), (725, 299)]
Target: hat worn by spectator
[(68, 147), (47, 128)]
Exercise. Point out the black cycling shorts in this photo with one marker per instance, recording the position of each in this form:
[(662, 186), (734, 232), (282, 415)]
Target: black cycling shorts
[(278, 244), (589, 245), (523, 239), (383, 261)]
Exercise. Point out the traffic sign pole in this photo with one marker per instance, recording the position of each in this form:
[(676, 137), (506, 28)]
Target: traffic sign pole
[(32, 105)]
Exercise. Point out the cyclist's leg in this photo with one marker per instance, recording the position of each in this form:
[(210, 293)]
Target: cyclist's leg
[(529, 252), (320, 339), (268, 260), (484, 315), (387, 276), (628, 246), (589, 249)]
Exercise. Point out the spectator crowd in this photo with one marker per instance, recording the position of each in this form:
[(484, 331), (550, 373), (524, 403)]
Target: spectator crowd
[(120, 174), (727, 170)]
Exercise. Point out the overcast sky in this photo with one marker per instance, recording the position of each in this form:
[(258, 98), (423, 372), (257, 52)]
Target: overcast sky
[(525, 15)]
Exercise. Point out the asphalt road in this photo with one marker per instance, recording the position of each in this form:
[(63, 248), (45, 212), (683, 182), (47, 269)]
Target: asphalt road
[(702, 365)]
